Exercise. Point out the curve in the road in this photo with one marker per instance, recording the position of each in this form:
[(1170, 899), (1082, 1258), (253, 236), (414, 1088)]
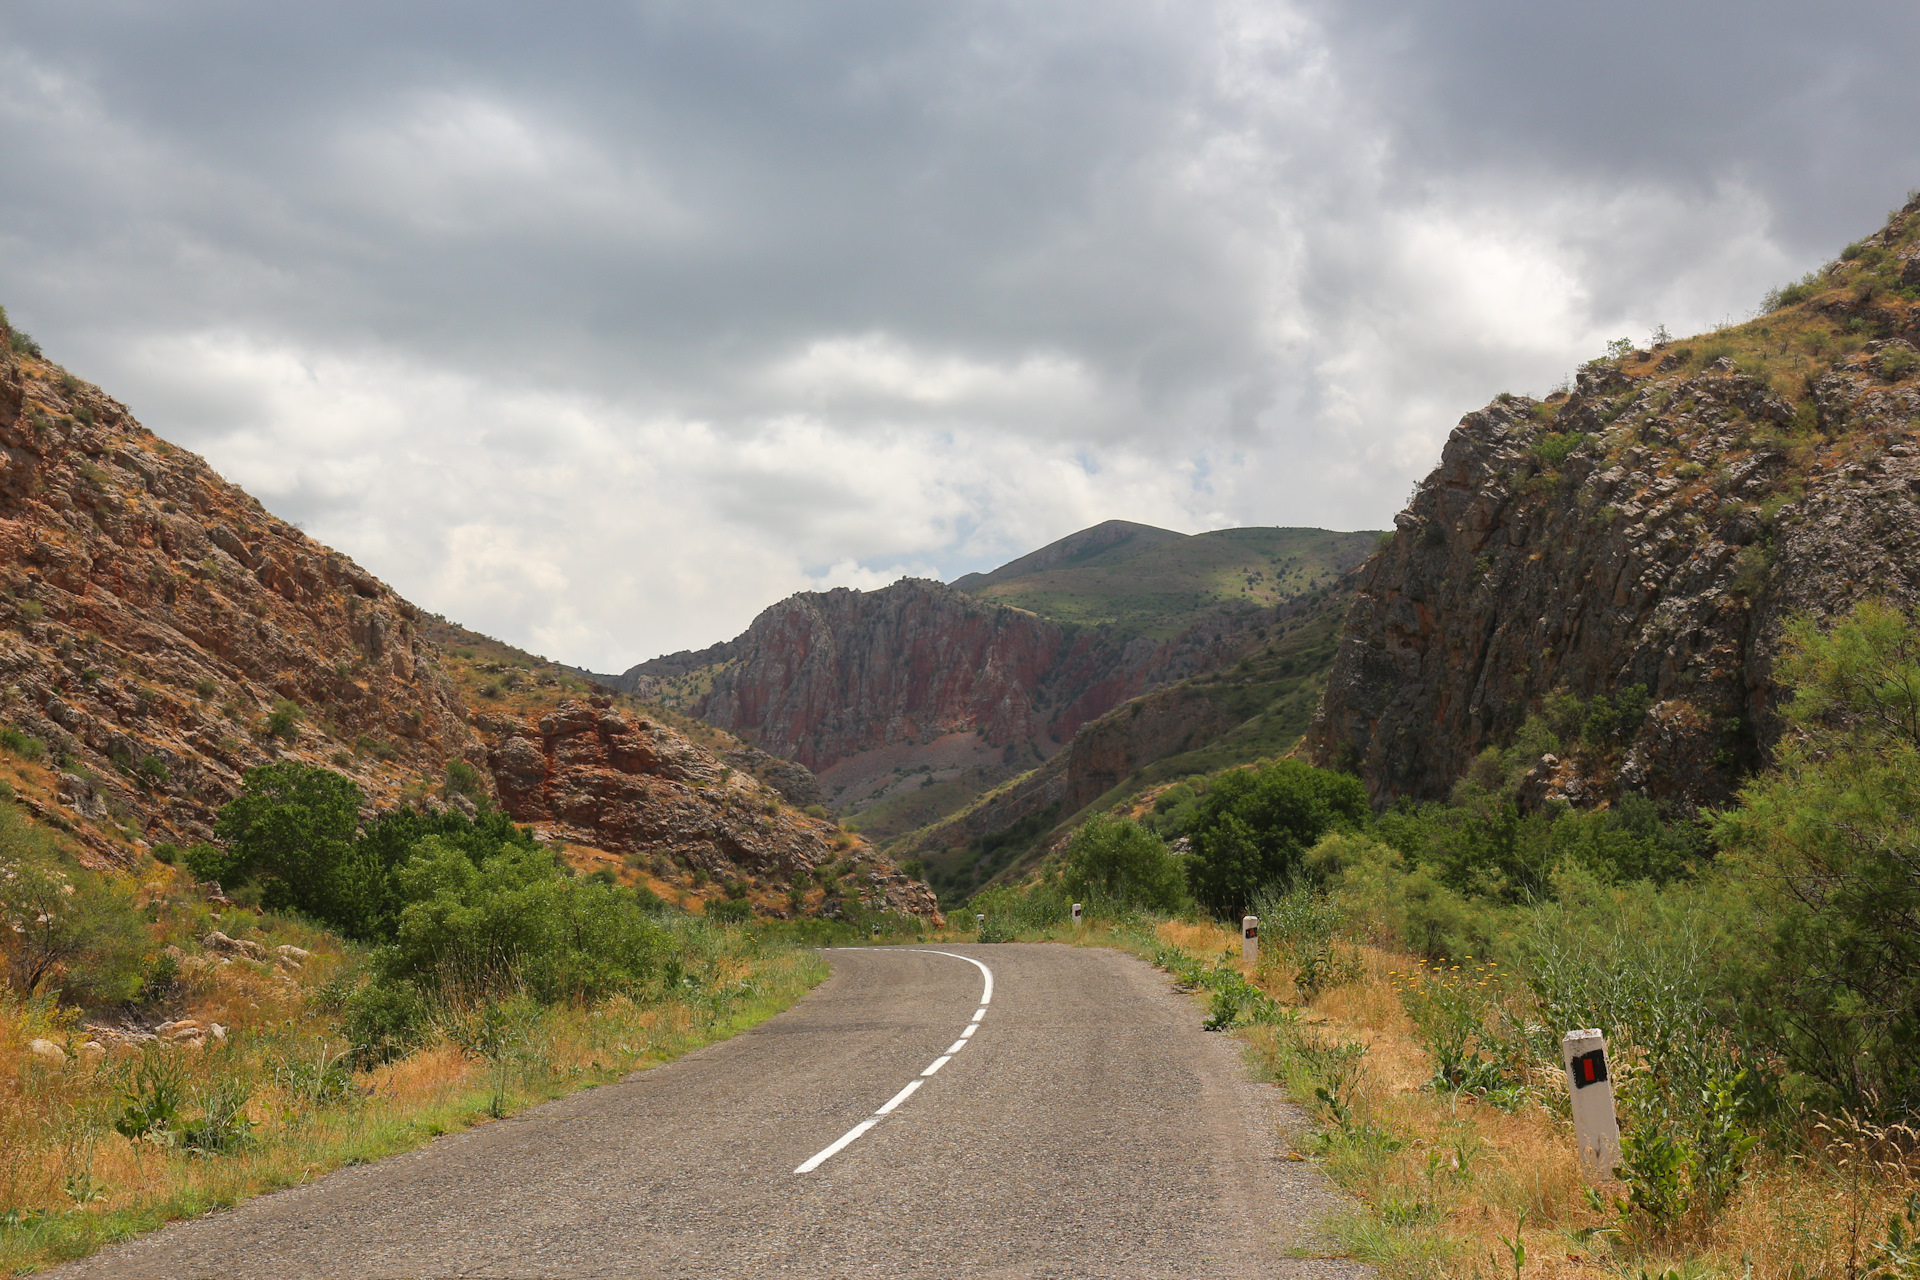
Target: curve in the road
[(852, 1135)]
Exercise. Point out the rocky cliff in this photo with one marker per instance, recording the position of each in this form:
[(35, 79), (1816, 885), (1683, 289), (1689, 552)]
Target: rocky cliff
[(822, 676), (165, 633), (1643, 540)]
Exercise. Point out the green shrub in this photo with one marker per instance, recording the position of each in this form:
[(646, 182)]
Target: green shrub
[(513, 918), (63, 927), (1254, 826), (22, 745), (1829, 844), (730, 911), (463, 780), (1556, 447), (1115, 862), (284, 721), (23, 344), (384, 1021), (1789, 294)]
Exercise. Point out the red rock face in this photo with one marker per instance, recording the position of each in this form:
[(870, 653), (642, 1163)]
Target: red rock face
[(590, 776), (824, 675)]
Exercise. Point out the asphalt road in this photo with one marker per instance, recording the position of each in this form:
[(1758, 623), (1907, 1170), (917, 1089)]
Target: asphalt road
[(1087, 1127)]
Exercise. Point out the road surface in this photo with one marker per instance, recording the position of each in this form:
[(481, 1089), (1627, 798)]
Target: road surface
[(1085, 1126)]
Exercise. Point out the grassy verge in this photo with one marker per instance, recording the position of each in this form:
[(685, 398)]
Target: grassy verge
[(74, 1179), (1477, 1176)]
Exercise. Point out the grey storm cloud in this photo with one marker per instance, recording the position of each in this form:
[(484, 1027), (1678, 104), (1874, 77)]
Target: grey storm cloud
[(600, 326)]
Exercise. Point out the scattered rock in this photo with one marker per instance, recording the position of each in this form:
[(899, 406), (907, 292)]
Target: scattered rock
[(47, 1051), (220, 943)]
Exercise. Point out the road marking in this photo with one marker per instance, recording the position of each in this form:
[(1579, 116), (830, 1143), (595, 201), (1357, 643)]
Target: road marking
[(900, 1097), (836, 1148), (986, 998)]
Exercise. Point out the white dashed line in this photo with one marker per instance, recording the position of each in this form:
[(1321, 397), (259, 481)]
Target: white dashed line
[(846, 1139)]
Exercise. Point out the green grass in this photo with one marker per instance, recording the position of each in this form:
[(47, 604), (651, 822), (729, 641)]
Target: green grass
[(1157, 589)]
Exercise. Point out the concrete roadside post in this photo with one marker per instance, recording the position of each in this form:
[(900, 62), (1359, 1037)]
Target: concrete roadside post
[(1076, 915), (1250, 939), (1596, 1128)]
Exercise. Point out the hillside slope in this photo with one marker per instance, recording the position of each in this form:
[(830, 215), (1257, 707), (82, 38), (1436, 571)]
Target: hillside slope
[(1643, 541), (1155, 585), (165, 634), (1254, 706)]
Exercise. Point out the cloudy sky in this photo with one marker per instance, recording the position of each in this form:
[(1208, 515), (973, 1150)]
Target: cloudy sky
[(600, 326)]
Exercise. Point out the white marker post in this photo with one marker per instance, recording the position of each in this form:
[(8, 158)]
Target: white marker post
[(1250, 939), (1595, 1126), (1076, 915)]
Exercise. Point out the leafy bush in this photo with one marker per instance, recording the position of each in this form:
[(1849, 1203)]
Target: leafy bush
[(730, 911), (61, 926), (22, 745), (1829, 843), (1789, 294), (1112, 861), (1556, 447), (1254, 826), (514, 919), (384, 1021), (284, 721), (463, 780)]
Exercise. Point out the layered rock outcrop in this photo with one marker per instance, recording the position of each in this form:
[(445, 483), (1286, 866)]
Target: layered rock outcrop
[(1657, 528), (156, 617), (586, 774)]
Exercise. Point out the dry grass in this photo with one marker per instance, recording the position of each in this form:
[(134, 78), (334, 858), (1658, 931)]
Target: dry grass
[(69, 1183), (1454, 1173)]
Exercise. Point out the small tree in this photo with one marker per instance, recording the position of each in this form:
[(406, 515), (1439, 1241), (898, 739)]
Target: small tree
[(292, 826), (1114, 861), (1830, 842), (1254, 826)]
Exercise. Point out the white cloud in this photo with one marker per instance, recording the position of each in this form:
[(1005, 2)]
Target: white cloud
[(601, 327)]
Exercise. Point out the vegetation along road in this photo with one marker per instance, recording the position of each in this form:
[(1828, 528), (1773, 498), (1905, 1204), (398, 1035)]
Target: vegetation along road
[(1078, 1123)]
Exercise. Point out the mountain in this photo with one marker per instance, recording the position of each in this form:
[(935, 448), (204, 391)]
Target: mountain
[(1256, 706), (923, 687), (1151, 581), (165, 633), (1104, 543), (1627, 556)]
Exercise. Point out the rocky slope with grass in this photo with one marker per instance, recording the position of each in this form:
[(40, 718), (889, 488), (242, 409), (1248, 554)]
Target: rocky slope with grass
[(1621, 560), (164, 633)]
